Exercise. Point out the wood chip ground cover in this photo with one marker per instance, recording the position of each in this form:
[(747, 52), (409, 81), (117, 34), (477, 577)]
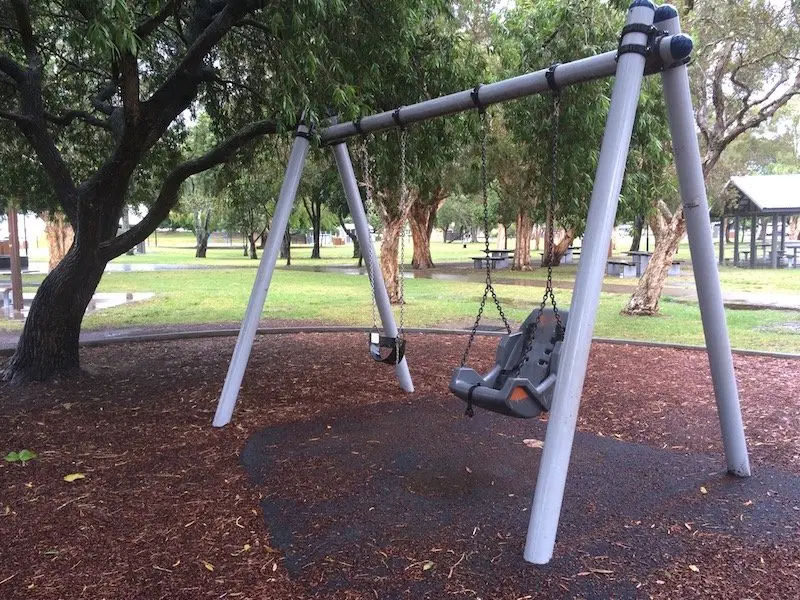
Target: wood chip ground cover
[(330, 483)]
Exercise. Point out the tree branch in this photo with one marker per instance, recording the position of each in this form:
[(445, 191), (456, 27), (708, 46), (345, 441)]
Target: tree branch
[(23, 14), (16, 118), (180, 87), (168, 196), (12, 68), (148, 26), (81, 115)]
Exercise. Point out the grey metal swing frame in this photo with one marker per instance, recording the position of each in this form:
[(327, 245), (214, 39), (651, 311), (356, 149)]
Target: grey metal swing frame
[(643, 49)]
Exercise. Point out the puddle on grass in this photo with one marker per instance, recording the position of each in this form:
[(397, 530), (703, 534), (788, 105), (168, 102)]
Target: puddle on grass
[(98, 302), (790, 327)]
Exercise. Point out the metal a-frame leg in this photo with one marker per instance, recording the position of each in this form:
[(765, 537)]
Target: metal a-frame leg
[(701, 245), (346, 174), (552, 478), (247, 332)]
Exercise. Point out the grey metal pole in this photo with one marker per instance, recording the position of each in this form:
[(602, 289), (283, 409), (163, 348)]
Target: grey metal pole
[(709, 292), (774, 240), (722, 232), (736, 241), (348, 177), (244, 343), (571, 73), (563, 418)]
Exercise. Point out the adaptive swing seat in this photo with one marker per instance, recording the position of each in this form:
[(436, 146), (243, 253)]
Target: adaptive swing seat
[(519, 385)]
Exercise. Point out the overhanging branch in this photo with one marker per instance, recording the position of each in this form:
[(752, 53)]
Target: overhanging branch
[(12, 68), (168, 195), (148, 26), (69, 116)]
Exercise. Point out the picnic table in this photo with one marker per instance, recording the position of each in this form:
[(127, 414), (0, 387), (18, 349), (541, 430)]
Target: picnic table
[(497, 259), (569, 255), (641, 259), (621, 268)]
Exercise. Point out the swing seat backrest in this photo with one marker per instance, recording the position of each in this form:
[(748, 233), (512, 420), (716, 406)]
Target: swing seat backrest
[(517, 386), (379, 343)]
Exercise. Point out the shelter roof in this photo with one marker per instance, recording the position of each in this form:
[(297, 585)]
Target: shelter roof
[(768, 193)]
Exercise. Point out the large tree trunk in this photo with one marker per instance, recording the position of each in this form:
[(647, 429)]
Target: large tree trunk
[(201, 232), (314, 209), (390, 244), (48, 345), (422, 217), (286, 247), (522, 253), (126, 225), (202, 245), (560, 247), (668, 230), (251, 246), (353, 238), (60, 236), (49, 342), (636, 240)]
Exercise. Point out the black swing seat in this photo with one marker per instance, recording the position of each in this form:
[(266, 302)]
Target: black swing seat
[(516, 387), (396, 347)]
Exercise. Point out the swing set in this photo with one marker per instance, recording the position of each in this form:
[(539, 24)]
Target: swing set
[(541, 366)]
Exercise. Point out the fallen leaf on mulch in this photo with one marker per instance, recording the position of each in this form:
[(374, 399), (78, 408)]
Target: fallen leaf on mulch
[(694, 568), (72, 477), (532, 443), (703, 490), (208, 565)]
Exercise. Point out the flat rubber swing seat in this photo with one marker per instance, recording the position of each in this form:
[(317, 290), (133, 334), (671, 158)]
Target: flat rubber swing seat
[(517, 386)]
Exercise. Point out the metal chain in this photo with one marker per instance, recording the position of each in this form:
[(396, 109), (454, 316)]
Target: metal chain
[(489, 289), (367, 250), (530, 332), (403, 207)]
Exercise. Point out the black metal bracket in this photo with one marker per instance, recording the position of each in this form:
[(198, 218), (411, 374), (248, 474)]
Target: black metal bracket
[(476, 99), (308, 135), (550, 76), (397, 119)]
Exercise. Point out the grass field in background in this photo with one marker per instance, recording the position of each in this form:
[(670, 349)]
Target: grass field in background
[(220, 295)]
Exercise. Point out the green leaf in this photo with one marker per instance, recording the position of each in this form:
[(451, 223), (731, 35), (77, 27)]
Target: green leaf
[(26, 455), (12, 457)]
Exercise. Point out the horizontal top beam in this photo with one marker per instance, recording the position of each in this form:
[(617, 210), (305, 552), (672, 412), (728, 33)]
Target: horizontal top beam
[(667, 51)]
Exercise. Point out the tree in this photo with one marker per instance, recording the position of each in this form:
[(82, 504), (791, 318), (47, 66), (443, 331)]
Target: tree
[(441, 61), (744, 70), (320, 189), (198, 193), (95, 92), (530, 36), (249, 197)]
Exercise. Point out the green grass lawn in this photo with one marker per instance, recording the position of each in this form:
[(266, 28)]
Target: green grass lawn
[(220, 295)]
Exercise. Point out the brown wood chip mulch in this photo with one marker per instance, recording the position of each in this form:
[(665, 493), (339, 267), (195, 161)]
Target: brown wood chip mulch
[(331, 483)]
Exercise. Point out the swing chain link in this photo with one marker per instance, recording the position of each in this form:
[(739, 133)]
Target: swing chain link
[(367, 251), (489, 289), (530, 331), (403, 207)]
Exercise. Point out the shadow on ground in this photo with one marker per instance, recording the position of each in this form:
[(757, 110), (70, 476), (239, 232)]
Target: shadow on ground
[(416, 501)]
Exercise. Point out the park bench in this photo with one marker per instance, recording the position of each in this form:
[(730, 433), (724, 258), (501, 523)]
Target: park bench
[(620, 268), (675, 268), (495, 262)]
